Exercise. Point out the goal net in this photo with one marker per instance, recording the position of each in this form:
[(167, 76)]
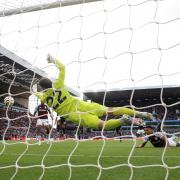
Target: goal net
[(107, 47)]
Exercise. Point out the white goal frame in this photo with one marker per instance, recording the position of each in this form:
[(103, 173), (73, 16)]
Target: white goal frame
[(43, 6)]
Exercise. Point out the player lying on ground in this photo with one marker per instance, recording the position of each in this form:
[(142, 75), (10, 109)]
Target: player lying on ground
[(87, 114), (159, 139)]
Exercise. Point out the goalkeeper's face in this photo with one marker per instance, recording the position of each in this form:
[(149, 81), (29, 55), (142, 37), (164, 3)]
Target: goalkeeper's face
[(44, 84)]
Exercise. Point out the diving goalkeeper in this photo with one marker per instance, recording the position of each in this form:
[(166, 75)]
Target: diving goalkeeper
[(56, 96)]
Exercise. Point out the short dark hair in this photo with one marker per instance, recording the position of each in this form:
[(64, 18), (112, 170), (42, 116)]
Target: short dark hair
[(150, 127), (45, 83)]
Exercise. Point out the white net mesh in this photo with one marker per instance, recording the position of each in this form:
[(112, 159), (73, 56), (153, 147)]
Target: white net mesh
[(105, 45)]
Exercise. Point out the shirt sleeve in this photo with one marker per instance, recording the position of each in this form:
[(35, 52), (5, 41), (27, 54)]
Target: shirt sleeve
[(40, 96), (159, 134), (59, 83), (146, 139)]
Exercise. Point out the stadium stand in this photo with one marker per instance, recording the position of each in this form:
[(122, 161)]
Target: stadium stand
[(149, 97), (19, 85), (16, 78)]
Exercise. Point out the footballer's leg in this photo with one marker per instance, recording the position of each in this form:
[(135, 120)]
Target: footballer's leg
[(117, 111), (101, 110), (171, 142), (174, 140), (93, 121), (48, 127), (114, 123), (38, 130)]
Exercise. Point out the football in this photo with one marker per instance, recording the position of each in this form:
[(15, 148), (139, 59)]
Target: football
[(8, 101)]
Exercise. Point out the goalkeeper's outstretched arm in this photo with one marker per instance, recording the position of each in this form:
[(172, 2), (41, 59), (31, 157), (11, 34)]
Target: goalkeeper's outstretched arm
[(59, 83)]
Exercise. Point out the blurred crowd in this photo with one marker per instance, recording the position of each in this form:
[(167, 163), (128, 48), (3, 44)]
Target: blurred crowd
[(15, 125)]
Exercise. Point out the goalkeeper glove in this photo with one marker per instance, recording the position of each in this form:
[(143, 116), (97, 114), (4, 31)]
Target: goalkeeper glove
[(50, 59), (145, 115), (126, 119)]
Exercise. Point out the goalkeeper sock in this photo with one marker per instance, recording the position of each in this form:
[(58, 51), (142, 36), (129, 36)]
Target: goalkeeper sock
[(117, 111), (114, 123)]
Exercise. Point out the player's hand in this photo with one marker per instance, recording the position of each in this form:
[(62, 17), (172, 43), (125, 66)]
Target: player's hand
[(149, 116), (137, 121), (126, 119), (146, 115), (50, 59)]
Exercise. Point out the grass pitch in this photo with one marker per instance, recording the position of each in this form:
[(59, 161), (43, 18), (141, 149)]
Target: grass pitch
[(87, 160)]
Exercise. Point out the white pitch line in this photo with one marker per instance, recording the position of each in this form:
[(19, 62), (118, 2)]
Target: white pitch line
[(64, 155)]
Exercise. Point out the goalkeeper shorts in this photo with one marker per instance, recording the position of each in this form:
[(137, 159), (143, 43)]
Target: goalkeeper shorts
[(91, 108), (84, 119)]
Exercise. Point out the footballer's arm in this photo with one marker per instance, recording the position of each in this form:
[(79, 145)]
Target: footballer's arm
[(142, 145), (59, 82)]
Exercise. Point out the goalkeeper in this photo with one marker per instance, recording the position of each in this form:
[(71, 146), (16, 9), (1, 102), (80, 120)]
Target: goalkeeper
[(56, 96)]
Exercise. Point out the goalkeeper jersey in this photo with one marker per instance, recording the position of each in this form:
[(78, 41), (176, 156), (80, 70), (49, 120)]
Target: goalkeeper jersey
[(58, 97)]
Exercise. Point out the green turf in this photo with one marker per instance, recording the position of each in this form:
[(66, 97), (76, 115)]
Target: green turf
[(88, 161)]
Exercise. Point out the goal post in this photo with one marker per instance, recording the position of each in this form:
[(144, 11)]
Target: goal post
[(41, 6)]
